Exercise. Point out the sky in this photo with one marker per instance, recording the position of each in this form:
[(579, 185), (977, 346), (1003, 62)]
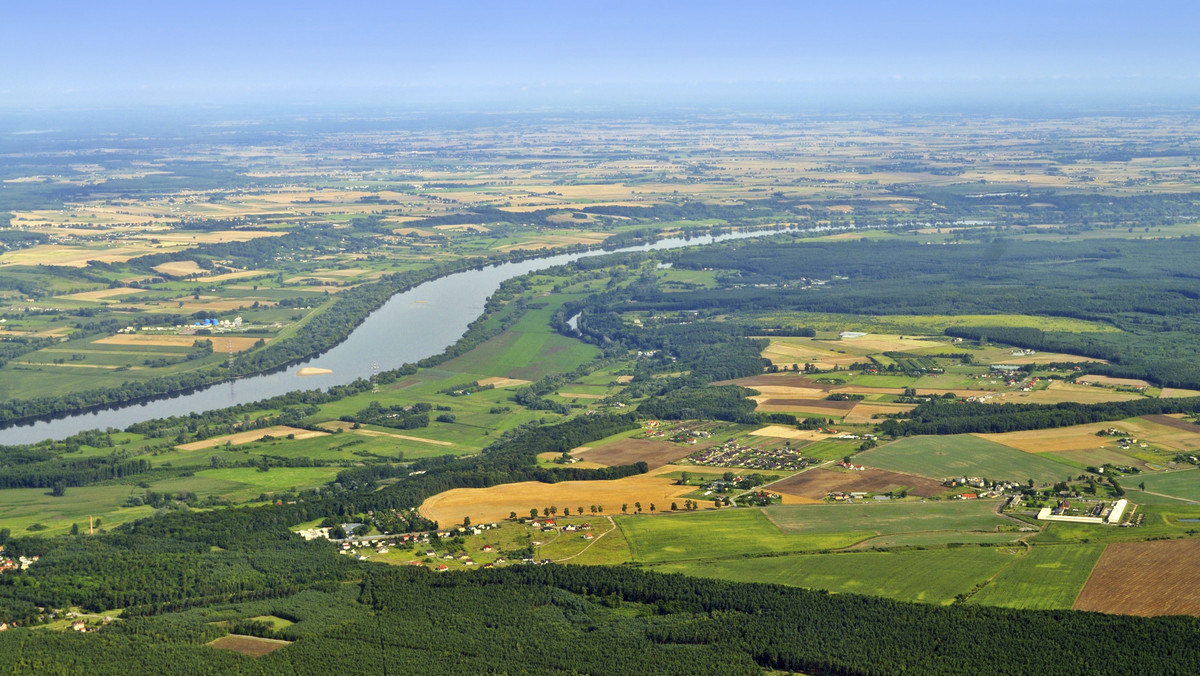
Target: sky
[(588, 52)]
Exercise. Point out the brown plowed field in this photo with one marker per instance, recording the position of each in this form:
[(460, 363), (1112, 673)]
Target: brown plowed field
[(780, 380), (1145, 578), (629, 451), (810, 403), (249, 645), (1177, 423), (818, 483)]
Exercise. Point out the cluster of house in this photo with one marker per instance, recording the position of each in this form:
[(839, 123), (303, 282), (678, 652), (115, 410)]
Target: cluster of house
[(733, 454), (839, 496), (987, 489), (550, 525), (235, 323), (19, 563), (1008, 372), (653, 430), (463, 558), (1128, 442), (467, 530), (850, 466)]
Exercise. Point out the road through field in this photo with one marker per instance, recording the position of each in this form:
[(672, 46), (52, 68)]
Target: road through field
[(612, 525)]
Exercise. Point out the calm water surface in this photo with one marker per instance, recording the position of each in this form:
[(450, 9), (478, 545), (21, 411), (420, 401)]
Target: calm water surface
[(411, 326)]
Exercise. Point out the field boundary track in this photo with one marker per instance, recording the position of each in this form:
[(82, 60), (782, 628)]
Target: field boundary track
[(612, 525)]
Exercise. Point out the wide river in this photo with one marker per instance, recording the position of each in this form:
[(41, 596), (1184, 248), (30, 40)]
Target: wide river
[(410, 326)]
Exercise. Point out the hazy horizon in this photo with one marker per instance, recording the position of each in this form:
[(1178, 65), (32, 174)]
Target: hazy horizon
[(525, 55)]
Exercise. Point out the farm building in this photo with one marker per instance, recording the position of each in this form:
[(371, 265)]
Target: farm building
[(1118, 509)]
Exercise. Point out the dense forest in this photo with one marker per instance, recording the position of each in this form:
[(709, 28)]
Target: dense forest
[(942, 416), (1146, 289), (555, 619)]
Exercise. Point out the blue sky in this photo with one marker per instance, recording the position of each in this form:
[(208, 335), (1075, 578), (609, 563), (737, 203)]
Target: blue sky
[(98, 53)]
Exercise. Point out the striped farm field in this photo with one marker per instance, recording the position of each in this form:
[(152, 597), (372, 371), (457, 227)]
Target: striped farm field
[(1045, 578), (1145, 578)]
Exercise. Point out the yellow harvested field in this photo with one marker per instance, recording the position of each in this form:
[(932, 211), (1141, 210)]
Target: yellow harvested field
[(882, 342), (789, 499), (1046, 357), (71, 256), (348, 427), (788, 351), (49, 333), (692, 469), (782, 432), (102, 294), (76, 366), (865, 413), (549, 241), (779, 391), (220, 343), (1074, 438), (576, 395), (252, 435), (495, 503), (237, 275), (213, 237), (1178, 392), (624, 379), (1114, 382), (1059, 391), (179, 268), (462, 227), (503, 382), (1083, 437)]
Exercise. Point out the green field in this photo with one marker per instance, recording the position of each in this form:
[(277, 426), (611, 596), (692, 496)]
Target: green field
[(714, 534), (1046, 578), (610, 550), (942, 457), (890, 517), (882, 381), (528, 350), (929, 576), (23, 507), (1184, 485), (250, 482)]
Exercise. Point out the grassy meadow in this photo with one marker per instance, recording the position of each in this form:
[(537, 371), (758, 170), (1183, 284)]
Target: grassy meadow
[(963, 455)]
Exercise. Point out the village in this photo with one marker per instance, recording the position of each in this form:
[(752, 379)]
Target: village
[(462, 547)]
